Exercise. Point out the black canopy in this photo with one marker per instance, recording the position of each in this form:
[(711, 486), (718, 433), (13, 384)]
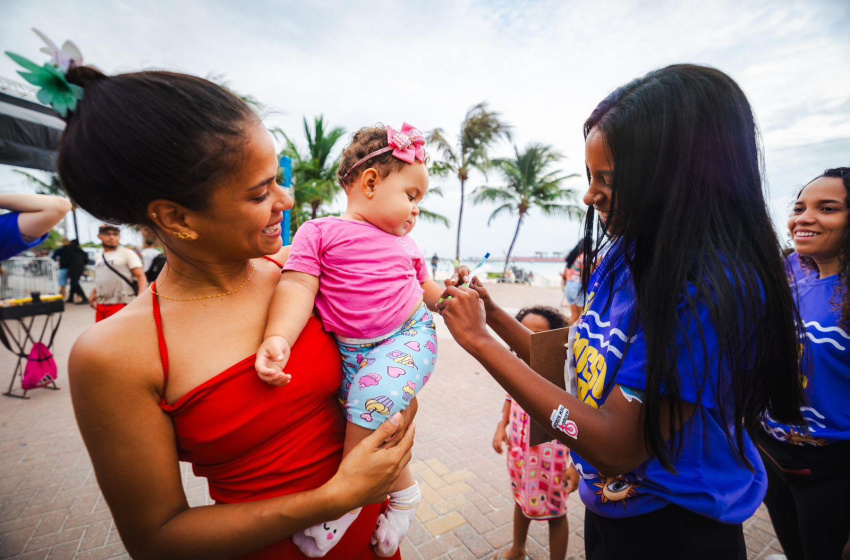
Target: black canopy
[(29, 133)]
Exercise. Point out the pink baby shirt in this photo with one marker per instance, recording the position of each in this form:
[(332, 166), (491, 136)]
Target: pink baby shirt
[(369, 280)]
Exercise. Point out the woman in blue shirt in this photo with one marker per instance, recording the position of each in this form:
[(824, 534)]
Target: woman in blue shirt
[(809, 465), (688, 335)]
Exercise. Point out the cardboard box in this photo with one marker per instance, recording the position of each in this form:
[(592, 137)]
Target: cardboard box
[(548, 358)]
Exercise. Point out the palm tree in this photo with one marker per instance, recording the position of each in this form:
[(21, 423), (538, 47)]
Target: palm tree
[(52, 186), (313, 172), (531, 183), (479, 131), (429, 216)]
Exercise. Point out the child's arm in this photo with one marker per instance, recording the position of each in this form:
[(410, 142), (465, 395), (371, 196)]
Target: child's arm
[(433, 291), (500, 439), (290, 310)]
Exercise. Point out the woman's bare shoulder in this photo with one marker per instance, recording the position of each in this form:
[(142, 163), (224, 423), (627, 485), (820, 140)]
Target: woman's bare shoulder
[(123, 345)]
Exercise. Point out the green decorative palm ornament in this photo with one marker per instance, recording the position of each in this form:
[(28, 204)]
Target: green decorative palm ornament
[(54, 89)]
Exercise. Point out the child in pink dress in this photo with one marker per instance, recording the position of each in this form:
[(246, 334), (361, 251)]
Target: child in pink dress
[(369, 283), (542, 476)]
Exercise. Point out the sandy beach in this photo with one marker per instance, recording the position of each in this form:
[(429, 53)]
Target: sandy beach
[(51, 507)]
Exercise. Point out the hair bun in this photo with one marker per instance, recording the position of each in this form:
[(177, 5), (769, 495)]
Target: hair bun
[(84, 76)]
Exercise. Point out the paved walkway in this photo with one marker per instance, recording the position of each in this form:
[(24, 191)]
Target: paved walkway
[(50, 505)]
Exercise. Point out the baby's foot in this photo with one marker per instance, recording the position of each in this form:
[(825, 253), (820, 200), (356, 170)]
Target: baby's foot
[(393, 525), (317, 540)]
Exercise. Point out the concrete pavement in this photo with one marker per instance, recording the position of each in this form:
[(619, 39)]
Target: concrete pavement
[(51, 507)]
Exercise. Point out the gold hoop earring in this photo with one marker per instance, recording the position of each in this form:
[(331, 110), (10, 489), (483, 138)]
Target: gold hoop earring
[(153, 215)]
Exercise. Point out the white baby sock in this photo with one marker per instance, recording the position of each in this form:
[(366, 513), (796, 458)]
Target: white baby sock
[(317, 540), (395, 522)]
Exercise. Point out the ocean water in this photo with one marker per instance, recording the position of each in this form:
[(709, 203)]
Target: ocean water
[(546, 274)]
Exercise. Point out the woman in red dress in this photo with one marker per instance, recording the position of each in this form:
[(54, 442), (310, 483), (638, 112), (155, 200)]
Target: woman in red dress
[(171, 378)]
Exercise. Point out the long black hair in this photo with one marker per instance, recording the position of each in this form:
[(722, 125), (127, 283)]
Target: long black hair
[(841, 300), (688, 209)]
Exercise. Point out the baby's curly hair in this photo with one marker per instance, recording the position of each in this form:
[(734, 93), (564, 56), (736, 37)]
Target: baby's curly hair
[(364, 142)]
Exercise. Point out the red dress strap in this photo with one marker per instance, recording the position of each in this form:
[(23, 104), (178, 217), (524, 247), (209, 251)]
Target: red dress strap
[(163, 349), (274, 261)]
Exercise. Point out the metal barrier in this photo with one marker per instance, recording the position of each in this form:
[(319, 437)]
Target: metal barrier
[(21, 276)]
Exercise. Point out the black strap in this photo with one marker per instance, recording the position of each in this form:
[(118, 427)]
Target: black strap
[(124, 278), (6, 342), (55, 328)]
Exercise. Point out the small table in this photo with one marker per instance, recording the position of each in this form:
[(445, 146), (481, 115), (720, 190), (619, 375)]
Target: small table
[(20, 340)]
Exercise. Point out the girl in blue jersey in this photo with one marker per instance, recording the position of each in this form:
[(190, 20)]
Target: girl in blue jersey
[(808, 466), (688, 335)]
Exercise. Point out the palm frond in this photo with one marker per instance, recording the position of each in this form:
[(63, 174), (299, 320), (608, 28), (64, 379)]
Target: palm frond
[(442, 169), (506, 208), (531, 181), (436, 191), (437, 139), (429, 216), (491, 194), (314, 170)]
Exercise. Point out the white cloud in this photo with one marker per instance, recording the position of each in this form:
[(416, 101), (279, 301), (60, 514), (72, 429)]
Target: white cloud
[(543, 64)]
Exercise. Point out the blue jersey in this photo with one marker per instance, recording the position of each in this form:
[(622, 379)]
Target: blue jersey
[(827, 378), (11, 242), (794, 268), (609, 350)]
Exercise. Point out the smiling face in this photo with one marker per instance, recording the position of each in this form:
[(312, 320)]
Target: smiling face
[(820, 218), (394, 203), (600, 172), (244, 216)]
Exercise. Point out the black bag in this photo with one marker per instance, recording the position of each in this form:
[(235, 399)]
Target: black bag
[(133, 283), (157, 264)]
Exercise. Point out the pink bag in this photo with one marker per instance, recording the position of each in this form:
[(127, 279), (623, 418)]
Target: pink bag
[(41, 368)]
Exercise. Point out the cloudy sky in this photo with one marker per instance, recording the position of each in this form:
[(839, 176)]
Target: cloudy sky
[(543, 64)]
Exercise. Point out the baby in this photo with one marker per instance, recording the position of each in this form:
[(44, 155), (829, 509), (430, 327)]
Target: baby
[(369, 283)]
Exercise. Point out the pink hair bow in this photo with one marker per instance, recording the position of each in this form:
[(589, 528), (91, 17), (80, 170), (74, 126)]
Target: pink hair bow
[(408, 144)]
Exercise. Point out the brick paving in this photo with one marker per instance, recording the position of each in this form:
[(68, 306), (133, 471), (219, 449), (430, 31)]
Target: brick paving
[(51, 507)]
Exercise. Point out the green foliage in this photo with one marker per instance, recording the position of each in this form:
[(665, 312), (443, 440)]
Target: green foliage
[(53, 242), (313, 171), (433, 217), (532, 182), (480, 130)]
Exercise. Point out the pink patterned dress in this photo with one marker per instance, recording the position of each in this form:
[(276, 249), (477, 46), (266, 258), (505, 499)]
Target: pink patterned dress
[(538, 474)]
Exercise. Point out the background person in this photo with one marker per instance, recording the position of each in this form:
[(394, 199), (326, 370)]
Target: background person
[(153, 259), (29, 220), (808, 466), (78, 259), (114, 273), (542, 477), (171, 377), (61, 256), (571, 277), (689, 336)]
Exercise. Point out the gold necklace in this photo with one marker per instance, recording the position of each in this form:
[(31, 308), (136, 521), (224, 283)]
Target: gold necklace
[(253, 268)]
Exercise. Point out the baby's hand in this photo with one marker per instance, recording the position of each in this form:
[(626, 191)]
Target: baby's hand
[(272, 357)]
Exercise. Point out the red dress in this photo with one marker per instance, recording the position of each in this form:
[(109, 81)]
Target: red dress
[(253, 441)]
